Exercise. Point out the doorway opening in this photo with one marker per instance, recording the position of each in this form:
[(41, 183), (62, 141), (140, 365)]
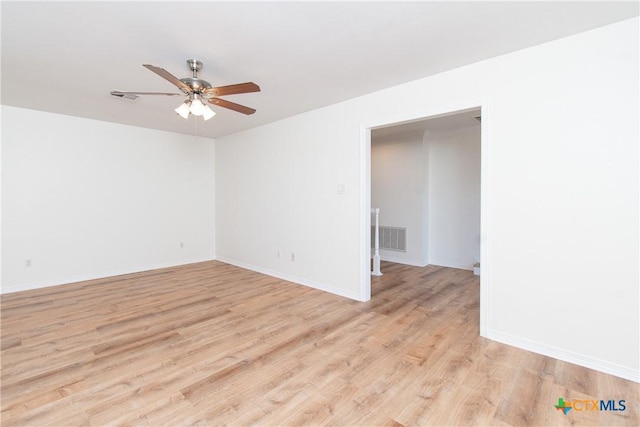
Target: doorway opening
[(429, 178)]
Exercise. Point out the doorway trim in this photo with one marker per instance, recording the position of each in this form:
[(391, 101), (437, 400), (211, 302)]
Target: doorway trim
[(485, 194)]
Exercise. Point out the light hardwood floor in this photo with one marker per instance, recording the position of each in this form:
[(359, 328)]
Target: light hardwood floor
[(213, 344)]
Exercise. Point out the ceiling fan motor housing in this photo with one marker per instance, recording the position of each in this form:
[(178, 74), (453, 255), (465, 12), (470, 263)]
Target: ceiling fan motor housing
[(197, 85)]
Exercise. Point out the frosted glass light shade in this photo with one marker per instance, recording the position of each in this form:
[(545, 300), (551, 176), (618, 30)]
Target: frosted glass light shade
[(197, 107), (207, 113), (183, 110)]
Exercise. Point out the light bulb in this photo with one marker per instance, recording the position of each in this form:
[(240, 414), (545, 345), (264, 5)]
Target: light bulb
[(207, 113), (183, 110), (197, 107)]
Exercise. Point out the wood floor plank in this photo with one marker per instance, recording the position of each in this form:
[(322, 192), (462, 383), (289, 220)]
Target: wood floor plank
[(214, 344)]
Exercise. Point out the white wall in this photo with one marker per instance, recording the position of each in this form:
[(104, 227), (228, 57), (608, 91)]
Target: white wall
[(282, 198), (430, 184), (453, 197), (560, 156), (399, 189), (83, 199)]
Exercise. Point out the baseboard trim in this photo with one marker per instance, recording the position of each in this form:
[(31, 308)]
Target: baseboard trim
[(294, 279), (420, 264), (83, 278), (565, 355), (399, 260), (452, 265)]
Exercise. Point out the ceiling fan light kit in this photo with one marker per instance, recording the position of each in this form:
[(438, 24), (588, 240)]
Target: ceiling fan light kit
[(207, 112), (183, 110), (197, 107), (194, 106), (199, 92)]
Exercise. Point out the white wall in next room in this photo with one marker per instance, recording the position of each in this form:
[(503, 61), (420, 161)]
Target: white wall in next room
[(453, 232), (399, 189), (429, 183)]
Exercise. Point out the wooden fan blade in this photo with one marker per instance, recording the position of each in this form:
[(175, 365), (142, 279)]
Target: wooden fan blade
[(121, 93), (168, 76), (233, 89), (231, 105)]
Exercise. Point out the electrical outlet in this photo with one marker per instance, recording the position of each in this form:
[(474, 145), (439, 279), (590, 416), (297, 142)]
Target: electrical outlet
[(293, 256), (181, 245), (27, 263)]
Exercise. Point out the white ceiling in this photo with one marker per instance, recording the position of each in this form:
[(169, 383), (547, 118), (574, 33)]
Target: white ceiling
[(65, 57), (446, 123)]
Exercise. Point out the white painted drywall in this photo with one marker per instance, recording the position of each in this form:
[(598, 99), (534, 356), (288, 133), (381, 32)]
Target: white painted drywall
[(399, 189), (83, 199), (285, 197), (560, 151), (430, 184), (453, 197)]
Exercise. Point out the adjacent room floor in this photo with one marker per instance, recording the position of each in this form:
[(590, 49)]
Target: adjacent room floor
[(214, 344)]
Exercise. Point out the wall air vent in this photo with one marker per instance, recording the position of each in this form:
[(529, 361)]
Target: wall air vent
[(391, 238)]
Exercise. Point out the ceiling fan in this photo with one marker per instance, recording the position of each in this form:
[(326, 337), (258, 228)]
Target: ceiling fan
[(199, 92)]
